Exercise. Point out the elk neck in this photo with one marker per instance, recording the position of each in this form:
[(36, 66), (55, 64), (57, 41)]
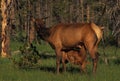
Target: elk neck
[(43, 33)]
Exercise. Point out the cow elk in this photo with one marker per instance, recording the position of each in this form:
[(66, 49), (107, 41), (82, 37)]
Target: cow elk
[(64, 36)]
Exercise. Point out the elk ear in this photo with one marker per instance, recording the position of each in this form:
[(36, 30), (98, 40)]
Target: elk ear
[(44, 18), (102, 28), (32, 19)]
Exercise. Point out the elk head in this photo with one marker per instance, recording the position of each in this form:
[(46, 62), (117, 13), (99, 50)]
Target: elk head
[(40, 28)]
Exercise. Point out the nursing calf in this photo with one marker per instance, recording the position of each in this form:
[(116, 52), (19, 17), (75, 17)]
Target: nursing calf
[(77, 56)]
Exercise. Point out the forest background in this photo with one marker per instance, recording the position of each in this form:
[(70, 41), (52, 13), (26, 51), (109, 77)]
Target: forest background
[(104, 13)]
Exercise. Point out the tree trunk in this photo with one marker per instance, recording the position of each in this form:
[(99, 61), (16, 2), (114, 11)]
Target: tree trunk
[(32, 33), (88, 14), (5, 10), (82, 11), (51, 17), (118, 41), (28, 21), (71, 13), (78, 11)]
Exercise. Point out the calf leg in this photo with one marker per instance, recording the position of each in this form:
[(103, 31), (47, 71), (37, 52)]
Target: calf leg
[(83, 67)]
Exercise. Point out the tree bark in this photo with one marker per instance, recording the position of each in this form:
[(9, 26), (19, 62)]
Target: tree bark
[(32, 33), (118, 40), (88, 14), (71, 12), (5, 10), (82, 11), (28, 21)]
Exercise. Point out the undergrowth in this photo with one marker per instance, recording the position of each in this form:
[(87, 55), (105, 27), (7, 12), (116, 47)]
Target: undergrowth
[(29, 57)]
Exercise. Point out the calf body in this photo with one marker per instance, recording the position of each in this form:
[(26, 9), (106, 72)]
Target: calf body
[(74, 56)]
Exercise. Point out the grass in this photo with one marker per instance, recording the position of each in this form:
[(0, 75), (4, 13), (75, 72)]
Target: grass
[(46, 72), (110, 50), (47, 68)]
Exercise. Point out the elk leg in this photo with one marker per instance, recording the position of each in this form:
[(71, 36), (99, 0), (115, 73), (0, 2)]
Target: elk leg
[(94, 57), (93, 53), (58, 56), (95, 60), (63, 62)]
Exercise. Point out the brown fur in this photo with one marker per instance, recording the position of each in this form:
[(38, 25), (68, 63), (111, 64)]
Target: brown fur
[(63, 36), (74, 56)]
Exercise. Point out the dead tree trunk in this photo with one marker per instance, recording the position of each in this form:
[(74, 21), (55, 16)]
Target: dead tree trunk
[(5, 10)]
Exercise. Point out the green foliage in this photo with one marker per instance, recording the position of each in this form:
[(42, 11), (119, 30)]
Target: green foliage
[(110, 40), (28, 57), (117, 61), (60, 11), (21, 36)]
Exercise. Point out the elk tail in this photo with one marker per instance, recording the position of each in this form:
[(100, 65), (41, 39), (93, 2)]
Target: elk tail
[(98, 32)]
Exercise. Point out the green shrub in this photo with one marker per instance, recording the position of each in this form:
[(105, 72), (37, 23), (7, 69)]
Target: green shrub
[(29, 57)]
